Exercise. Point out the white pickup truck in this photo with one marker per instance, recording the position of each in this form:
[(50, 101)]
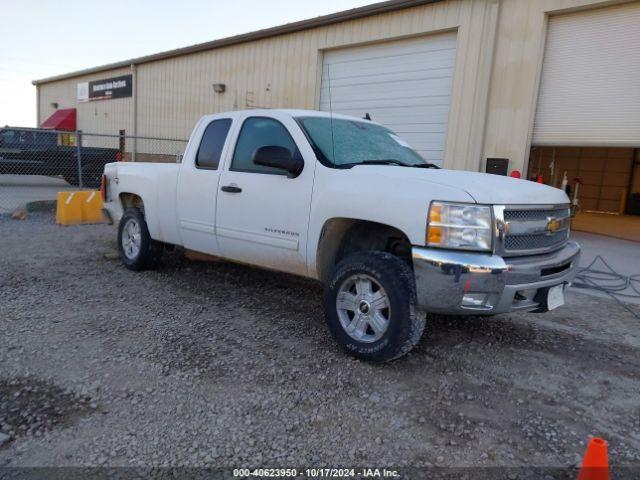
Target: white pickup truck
[(347, 202)]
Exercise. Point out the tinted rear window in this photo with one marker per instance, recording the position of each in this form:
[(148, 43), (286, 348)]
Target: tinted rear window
[(212, 143)]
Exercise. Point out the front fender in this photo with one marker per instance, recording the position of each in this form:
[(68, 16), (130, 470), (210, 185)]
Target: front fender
[(366, 193)]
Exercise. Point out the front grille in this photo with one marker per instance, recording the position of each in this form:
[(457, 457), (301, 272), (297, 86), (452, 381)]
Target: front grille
[(535, 242), (534, 214), (528, 231)]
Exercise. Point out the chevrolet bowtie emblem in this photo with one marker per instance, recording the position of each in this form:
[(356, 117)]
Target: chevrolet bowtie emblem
[(553, 225)]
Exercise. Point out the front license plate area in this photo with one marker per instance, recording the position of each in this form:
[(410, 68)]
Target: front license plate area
[(549, 298), (555, 297)]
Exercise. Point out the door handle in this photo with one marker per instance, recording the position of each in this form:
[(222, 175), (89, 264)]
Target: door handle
[(231, 189)]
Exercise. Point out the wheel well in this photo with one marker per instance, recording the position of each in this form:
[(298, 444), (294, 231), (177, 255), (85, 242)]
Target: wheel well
[(129, 200), (341, 237)]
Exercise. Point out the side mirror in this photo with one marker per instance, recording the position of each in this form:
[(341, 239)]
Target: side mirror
[(278, 157)]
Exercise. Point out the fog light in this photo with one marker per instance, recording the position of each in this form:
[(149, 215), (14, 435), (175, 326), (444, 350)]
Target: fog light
[(474, 299)]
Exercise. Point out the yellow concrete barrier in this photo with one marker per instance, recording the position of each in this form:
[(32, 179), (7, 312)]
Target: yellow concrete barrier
[(83, 206), (92, 208)]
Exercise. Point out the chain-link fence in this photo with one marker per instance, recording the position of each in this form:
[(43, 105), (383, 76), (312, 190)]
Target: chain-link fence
[(36, 164)]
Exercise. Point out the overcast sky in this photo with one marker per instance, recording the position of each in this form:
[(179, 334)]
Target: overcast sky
[(41, 38)]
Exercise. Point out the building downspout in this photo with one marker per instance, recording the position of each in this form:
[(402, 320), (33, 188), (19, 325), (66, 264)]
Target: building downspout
[(134, 76)]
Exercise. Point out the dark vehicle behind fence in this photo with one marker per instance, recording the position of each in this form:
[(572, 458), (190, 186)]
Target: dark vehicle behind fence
[(25, 151)]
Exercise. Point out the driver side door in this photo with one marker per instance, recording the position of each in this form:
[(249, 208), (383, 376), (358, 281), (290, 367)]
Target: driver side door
[(262, 215)]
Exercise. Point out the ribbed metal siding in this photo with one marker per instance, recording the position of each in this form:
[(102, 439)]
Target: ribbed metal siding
[(105, 116), (590, 90), (284, 72), (404, 85)]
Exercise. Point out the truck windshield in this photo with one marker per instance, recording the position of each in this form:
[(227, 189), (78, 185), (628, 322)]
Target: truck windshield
[(8, 136), (346, 143)]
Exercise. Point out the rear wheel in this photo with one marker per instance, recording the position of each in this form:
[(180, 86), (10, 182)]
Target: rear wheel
[(370, 306), (138, 250)]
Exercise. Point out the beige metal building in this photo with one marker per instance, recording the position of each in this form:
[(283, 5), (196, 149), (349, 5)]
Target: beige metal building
[(550, 85)]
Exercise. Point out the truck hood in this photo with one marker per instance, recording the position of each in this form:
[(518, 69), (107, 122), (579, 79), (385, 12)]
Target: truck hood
[(482, 187)]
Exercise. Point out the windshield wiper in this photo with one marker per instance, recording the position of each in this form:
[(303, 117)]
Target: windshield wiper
[(377, 162), (390, 161), (427, 165)]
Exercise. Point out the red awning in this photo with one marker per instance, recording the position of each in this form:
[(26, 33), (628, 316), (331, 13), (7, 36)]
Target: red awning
[(64, 119)]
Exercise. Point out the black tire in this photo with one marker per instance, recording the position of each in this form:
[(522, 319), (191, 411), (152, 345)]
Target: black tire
[(405, 322), (149, 251)]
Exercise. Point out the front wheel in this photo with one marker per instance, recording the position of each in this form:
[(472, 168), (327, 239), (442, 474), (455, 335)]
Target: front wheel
[(138, 250), (370, 306)]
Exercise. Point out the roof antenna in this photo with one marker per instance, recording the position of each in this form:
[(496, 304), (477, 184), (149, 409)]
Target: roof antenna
[(367, 116), (333, 141)]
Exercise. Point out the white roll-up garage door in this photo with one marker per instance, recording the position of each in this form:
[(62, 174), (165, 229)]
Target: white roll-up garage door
[(404, 85), (590, 86)]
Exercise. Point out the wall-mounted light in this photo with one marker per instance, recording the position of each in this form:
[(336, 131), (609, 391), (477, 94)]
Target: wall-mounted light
[(219, 87), (54, 105)]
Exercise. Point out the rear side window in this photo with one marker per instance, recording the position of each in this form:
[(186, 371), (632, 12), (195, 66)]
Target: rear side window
[(212, 143)]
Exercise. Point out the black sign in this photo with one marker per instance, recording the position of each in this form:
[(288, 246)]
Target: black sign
[(498, 166), (116, 87)]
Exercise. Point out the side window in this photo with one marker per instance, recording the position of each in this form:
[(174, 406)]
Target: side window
[(24, 137), (45, 139), (258, 132), (8, 136), (212, 143)]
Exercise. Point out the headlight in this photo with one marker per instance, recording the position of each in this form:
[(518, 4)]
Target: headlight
[(459, 226)]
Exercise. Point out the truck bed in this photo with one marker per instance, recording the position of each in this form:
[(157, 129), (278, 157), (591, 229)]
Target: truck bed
[(155, 181)]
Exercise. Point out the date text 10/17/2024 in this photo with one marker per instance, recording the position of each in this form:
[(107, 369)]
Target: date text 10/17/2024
[(316, 473)]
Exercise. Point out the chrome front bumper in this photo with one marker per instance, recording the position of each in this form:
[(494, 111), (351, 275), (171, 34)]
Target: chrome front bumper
[(467, 283)]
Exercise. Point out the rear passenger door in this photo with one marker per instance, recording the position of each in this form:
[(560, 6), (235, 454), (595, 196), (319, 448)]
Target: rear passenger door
[(198, 185), (262, 214)]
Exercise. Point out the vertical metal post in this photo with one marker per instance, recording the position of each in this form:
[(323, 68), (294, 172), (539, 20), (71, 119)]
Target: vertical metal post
[(134, 76), (554, 181), (635, 172), (121, 144), (79, 156), (38, 106)]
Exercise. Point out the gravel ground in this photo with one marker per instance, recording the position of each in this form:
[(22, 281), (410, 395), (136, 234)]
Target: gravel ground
[(223, 365)]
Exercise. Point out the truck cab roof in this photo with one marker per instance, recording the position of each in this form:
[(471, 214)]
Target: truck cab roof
[(275, 112)]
